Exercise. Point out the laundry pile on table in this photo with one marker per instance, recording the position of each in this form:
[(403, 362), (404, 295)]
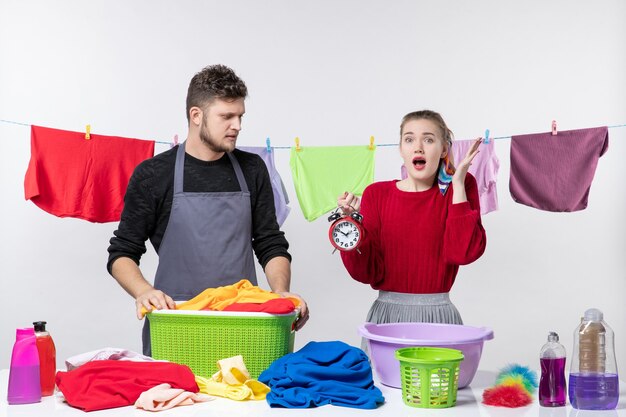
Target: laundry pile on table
[(320, 373)]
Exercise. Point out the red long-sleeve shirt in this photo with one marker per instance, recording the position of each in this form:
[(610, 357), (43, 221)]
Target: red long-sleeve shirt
[(414, 242)]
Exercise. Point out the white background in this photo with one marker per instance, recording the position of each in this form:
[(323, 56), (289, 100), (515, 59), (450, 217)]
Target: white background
[(332, 73)]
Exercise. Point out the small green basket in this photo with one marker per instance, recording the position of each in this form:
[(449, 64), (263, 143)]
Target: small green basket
[(429, 376), (199, 339)]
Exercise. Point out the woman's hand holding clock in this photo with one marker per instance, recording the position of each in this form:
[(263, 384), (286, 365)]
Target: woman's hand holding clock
[(348, 203)]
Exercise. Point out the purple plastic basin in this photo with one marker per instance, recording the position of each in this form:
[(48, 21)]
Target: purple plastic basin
[(384, 339)]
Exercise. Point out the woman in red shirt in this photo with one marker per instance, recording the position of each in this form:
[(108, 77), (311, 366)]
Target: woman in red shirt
[(416, 233)]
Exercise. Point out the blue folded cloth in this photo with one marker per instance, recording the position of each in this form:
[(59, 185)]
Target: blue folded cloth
[(322, 373)]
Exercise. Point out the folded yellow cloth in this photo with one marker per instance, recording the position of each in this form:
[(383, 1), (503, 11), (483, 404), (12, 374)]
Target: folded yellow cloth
[(221, 297), (232, 381)]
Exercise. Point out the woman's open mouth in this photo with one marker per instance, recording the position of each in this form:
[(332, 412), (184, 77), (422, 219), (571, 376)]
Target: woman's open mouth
[(419, 163)]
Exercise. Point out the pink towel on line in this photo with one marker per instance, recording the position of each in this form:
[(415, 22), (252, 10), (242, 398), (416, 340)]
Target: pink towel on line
[(554, 173)]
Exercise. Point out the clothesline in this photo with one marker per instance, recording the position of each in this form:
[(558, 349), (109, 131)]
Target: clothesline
[(289, 147), (321, 173)]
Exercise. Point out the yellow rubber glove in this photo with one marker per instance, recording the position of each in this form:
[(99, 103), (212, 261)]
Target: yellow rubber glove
[(232, 371), (233, 381)]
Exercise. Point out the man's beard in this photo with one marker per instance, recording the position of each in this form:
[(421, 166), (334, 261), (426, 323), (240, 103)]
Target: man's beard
[(213, 145)]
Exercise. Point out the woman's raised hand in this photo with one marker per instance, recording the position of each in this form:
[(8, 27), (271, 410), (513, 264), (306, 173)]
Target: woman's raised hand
[(463, 166)]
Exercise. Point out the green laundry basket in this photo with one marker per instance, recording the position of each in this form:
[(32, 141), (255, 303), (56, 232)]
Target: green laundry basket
[(429, 376), (199, 339)]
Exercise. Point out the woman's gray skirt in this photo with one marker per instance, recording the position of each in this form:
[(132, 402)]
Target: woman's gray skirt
[(397, 307)]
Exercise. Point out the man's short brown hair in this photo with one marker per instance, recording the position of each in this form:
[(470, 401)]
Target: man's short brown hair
[(214, 81)]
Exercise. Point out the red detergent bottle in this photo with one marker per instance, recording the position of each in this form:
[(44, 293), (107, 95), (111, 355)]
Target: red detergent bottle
[(47, 358)]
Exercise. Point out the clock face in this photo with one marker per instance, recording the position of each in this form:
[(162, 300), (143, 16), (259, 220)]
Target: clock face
[(345, 235)]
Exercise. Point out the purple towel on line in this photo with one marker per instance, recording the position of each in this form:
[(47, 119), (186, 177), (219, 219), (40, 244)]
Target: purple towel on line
[(554, 173), (281, 199)]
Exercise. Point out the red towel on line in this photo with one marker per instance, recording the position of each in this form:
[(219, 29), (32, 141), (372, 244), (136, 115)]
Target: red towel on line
[(100, 385), (274, 306), (69, 176)]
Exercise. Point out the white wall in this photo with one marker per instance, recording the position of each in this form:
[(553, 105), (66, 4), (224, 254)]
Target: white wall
[(331, 73)]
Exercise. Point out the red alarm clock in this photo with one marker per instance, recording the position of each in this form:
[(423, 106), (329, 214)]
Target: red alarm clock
[(345, 232)]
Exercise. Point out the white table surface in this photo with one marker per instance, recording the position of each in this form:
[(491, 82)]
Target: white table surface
[(468, 404)]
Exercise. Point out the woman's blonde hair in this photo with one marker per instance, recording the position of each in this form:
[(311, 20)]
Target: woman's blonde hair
[(433, 117)]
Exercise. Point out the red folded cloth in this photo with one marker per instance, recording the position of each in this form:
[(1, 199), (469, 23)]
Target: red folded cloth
[(100, 385), (274, 306)]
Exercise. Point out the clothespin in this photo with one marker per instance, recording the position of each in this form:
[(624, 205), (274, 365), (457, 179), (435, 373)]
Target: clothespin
[(486, 141), (267, 142), (554, 132), (88, 132), (298, 149), (175, 142), (371, 147)]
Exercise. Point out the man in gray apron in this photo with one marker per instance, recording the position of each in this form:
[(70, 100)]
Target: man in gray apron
[(206, 218)]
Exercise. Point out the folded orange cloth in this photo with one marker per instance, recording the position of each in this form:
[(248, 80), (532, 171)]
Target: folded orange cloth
[(164, 397), (221, 297)]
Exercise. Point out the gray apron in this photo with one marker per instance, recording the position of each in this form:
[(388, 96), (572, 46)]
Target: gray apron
[(207, 242)]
